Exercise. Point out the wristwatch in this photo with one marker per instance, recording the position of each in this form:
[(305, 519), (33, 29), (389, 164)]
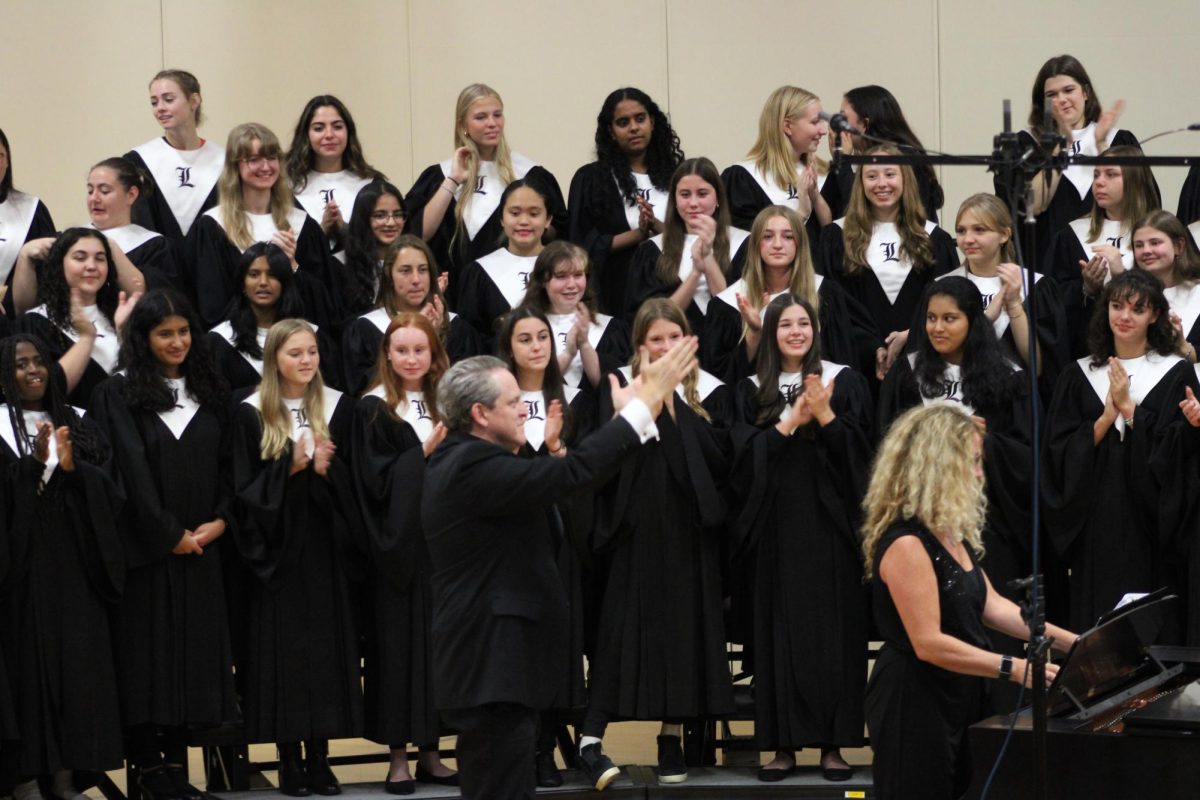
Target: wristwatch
[(1006, 665)]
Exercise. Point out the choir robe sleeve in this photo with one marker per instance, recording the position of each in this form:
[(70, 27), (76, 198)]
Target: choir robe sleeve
[(945, 252), (1052, 334), (615, 348), (388, 468), (723, 349), (1061, 264), (40, 227), (643, 282), (1007, 456), (152, 531), (744, 196), (1189, 197), (559, 217), (867, 336), (462, 341), (58, 344), (331, 359), (210, 264), (360, 352), (597, 214), (480, 302), (274, 508), (315, 260), (159, 263), (844, 325), (898, 393), (844, 447), (422, 191)]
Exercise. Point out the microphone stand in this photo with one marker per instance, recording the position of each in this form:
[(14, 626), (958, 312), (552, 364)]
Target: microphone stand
[(1018, 169)]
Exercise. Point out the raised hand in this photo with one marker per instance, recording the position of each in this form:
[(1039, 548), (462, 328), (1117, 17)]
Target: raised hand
[(817, 397), (554, 425), (41, 442), (435, 438), (750, 314), (66, 451), (323, 450), (1111, 255), (1191, 408), (660, 378), (300, 457), (1012, 284), (1118, 386), (331, 218), (125, 304), (460, 164), (286, 241), (79, 319), (1108, 118)]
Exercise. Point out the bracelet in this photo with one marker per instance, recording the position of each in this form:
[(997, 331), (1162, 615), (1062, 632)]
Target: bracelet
[(561, 445), (1006, 666), (456, 183)]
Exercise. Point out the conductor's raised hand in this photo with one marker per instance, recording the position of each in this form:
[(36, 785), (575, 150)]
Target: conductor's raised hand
[(660, 378), (554, 426)]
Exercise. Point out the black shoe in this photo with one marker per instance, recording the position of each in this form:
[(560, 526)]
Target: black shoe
[(293, 780), (320, 777), (407, 786), (183, 789), (671, 766), (428, 777), (154, 784), (835, 773), (548, 776), (597, 767)]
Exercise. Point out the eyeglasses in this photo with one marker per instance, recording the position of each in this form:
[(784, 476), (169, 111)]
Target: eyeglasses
[(384, 216), (258, 161)]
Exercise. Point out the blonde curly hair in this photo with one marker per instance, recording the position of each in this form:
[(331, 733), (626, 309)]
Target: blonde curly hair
[(926, 469)]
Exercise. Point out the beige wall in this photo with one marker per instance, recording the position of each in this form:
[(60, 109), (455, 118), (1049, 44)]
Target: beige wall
[(73, 74)]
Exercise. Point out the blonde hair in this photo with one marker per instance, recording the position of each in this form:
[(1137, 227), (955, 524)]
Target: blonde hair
[(503, 159), (652, 310), (772, 153), (1139, 193), (925, 470), (803, 280), (994, 215), (276, 421), (910, 224), (229, 185)]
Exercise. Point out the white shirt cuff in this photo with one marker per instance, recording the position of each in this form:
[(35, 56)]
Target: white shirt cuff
[(637, 414)]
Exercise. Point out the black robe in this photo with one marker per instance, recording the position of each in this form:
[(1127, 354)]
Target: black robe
[(242, 372), (302, 672), (482, 301), (842, 322), (158, 261), (41, 225), (1061, 262), (388, 467), (644, 282), (597, 216), (58, 343), (1115, 510), (8, 715), (863, 286), (211, 264), (660, 649), (453, 255), (1189, 197), (363, 337), (746, 198), (1065, 206), (66, 573), (171, 630), (797, 523)]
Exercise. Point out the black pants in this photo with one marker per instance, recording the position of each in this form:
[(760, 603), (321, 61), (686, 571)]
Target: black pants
[(495, 750)]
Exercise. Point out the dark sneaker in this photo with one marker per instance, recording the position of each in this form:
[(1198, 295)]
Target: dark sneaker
[(597, 767), (671, 766)]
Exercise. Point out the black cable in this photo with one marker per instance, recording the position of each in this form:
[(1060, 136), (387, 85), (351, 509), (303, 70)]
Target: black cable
[(1012, 724)]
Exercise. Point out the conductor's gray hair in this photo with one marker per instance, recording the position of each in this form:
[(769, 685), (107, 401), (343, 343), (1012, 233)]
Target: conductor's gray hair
[(466, 383)]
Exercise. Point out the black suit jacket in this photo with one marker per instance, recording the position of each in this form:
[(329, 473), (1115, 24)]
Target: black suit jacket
[(499, 607)]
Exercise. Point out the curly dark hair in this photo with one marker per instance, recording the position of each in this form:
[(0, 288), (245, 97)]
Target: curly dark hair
[(300, 158), (145, 386), (663, 154), (87, 445), (1137, 286), (241, 315), (362, 251), (52, 280), (988, 379), (552, 379)]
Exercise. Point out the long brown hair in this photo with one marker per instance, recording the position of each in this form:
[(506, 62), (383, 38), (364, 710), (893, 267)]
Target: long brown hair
[(229, 185), (1139, 193), (674, 229), (860, 221), (803, 279), (385, 376), (388, 300)]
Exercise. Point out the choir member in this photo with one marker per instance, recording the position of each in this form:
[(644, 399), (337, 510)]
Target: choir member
[(1189, 199), (23, 218), (396, 427), (166, 414), (455, 205), (660, 648), (778, 260), (883, 252), (1076, 114), (298, 528), (268, 291), (698, 252), (875, 111), (326, 166), (256, 205), (802, 457), (78, 271), (983, 232), (67, 570), (783, 168), (619, 200), (377, 222), (957, 358), (183, 167), (1162, 247), (411, 282), (1113, 485), (557, 418), (113, 188), (589, 344), (1092, 249), (924, 516), (494, 284)]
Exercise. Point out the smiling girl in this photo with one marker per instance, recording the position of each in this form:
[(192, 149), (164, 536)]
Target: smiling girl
[(1162, 247)]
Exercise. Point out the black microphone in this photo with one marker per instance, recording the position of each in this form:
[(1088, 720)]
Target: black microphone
[(839, 124), (1195, 126)]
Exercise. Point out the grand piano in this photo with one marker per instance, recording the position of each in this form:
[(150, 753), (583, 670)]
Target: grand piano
[(1123, 722)]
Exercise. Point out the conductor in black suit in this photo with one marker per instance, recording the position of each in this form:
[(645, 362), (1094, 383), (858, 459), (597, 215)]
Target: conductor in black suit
[(499, 606)]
